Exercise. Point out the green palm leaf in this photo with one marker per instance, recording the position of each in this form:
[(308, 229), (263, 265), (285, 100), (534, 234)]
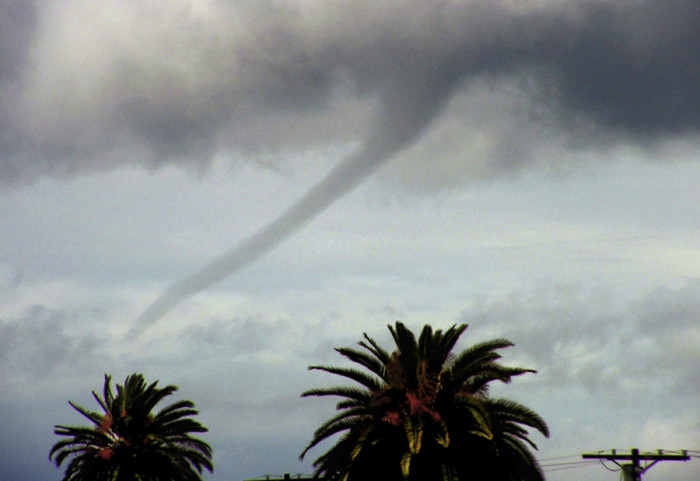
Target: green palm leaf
[(368, 381)]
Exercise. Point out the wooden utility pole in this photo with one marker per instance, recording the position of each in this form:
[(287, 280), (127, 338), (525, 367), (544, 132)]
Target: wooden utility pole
[(634, 470)]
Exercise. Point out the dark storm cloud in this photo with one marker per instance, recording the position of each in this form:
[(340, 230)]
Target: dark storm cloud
[(171, 83), (17, 22), (632, 66)]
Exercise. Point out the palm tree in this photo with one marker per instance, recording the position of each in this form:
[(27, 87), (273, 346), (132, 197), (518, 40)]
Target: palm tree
[(128, 441), (423, 413)]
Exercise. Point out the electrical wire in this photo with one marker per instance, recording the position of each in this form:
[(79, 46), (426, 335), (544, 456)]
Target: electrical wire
[(544, 460), (549, 466), (609, 469), (565, 467), (554, 465)]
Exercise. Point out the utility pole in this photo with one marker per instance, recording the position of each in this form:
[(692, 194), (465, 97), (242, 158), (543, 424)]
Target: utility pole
[(634, 470)]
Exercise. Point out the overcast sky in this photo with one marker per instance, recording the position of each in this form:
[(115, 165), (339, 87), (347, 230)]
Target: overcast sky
[(217, 193)]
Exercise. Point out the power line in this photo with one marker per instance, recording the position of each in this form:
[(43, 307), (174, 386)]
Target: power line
[(634, 470), (556, 458), (560, 463), (553, 465), (565, 466)]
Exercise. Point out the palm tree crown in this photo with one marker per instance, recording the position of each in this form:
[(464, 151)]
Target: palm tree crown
[(423, 413), (128, 441)]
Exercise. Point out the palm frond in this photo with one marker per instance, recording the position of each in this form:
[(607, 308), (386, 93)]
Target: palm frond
[(370, 382), (94, 417), (372, 363), (483, 351), (342, 391), (372, 346), (328, 430), (512, 411)]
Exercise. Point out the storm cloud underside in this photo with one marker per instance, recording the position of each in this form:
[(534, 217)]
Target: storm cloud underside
[(254, 79), (86, 90)]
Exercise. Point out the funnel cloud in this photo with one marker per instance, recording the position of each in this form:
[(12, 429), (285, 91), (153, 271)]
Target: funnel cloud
[(407, 111)]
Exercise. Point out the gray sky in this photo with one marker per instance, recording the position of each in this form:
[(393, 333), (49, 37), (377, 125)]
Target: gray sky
[(529, 170)]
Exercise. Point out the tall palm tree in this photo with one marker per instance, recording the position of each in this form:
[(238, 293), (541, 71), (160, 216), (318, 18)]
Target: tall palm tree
[(424, 413), (128, 441)]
